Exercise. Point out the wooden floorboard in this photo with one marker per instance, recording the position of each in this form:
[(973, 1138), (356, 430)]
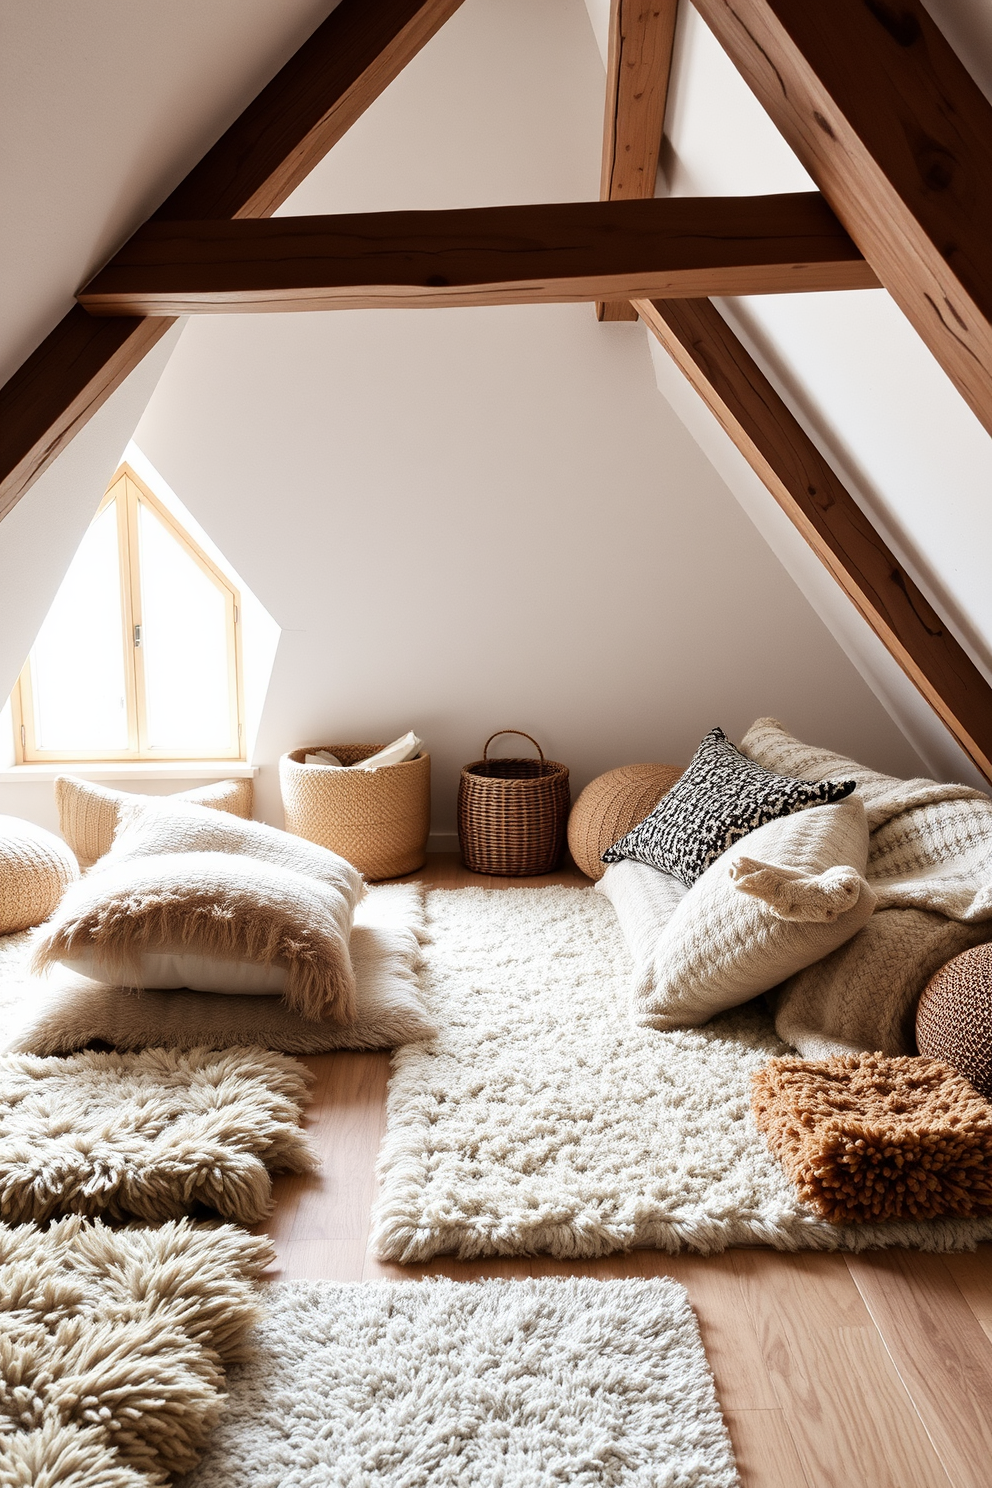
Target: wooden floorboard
[(833, 1371)]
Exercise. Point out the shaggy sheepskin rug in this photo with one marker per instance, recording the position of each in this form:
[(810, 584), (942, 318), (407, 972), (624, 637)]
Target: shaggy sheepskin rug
[(543, 1119), (149, 1136), (517, 1383), (113, 1346)]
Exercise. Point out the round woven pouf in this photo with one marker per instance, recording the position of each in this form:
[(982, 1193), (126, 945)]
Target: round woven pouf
[(954, 1018), (609, 806), (35, 868)]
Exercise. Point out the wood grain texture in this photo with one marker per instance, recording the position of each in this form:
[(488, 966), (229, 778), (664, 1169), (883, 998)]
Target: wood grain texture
[(639, 63), (911, 1296), (898, 137), (802, 1372), (548, 253), (785, 458), (249, 172)]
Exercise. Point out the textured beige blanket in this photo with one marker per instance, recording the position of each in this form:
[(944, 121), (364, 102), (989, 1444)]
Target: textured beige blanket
[(930, 864)]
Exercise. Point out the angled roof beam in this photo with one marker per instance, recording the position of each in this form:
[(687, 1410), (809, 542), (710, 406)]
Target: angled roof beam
[(784, 457), (898, 138), (482, 256), (324, 87), (639, 63)]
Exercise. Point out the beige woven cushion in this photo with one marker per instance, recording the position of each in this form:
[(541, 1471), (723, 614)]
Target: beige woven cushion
[(88, 812), (779, 899), (609, 806), (35, 868), (954, 1018)]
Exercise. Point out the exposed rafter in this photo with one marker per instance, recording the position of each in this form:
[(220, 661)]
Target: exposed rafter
[(642, 34), (249, 172), (898, 137), (482, 256), (784, 457)]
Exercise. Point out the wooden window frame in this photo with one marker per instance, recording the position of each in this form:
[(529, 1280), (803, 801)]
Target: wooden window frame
[(135, 491)]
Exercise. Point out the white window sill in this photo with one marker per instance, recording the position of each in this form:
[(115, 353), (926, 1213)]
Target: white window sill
[(131, 770)]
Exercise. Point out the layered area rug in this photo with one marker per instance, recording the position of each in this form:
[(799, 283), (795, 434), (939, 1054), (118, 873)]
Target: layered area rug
[(149, 1136), (113, 1347), (542, 1119), (516, 1383)]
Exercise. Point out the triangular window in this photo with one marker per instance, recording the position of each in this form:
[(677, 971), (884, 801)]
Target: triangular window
[(139, 656)]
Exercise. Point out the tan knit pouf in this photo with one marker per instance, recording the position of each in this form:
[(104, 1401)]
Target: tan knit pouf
[(35, 868), (954, 1018), (610, 805)]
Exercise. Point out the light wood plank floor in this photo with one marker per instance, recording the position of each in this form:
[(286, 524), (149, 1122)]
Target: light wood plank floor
[(833, 1371)]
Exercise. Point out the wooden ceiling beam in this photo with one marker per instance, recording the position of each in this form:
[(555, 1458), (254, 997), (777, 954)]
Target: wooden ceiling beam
[(898, 137), (642, 36), (482, 256), (249, 172), (818, 503)]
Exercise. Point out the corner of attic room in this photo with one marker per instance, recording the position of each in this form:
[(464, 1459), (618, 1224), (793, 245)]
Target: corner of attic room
[(496, 782)]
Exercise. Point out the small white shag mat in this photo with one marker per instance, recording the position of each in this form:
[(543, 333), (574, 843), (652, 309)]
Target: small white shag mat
[(542, 1119), (594, 1384)]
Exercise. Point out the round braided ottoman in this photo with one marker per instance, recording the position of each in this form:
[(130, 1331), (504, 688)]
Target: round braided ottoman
[(35, 869), (954, 1017), (609, 806)]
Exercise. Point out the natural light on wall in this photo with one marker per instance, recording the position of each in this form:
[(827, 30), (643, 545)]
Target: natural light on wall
[(152, 649)]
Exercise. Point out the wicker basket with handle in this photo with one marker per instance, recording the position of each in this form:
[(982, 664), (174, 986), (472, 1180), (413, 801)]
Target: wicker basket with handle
[(512, 813), (377, 819)]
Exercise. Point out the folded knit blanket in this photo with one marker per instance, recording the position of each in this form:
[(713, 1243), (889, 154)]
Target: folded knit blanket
[(929, 863)]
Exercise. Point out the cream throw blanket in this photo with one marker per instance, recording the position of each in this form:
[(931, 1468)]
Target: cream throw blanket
[(929, 863)]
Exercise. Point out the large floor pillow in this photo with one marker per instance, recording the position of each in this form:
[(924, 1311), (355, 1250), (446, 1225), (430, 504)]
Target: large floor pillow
[(88, 812), (834, 1006)]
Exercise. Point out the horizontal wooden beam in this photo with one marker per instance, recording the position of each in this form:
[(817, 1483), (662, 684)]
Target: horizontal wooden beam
[(639, 62), (482, 256), (898, 137), (250, 171), (819, 504)]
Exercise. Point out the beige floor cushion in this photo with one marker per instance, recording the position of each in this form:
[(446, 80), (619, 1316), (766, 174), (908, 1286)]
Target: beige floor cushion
[(222, 905), (35, 869), (88, 812), (782, 897)]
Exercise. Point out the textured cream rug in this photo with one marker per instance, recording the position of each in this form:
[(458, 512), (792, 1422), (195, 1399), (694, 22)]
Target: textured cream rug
[(514, 1383), (149, 1136), (542, 1119), (113, 1346)]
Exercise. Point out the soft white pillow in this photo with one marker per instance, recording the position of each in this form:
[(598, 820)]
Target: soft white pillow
[(171, 970), (784, 896), (645, 899)]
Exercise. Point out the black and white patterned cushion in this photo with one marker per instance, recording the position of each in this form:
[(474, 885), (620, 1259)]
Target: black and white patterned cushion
[(719, 799)]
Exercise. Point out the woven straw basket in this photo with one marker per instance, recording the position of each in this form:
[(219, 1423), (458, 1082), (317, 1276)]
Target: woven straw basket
[(377, 819), (512, 813)]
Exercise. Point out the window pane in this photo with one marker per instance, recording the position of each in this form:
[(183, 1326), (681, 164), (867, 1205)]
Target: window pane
[(184, 643), (77, 664)]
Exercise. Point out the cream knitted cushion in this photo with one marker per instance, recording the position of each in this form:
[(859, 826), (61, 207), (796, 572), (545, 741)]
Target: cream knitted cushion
[(779, 899), (35, 868), (88, 812)]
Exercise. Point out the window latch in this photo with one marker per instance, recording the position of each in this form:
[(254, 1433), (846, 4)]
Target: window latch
[(137, 635)]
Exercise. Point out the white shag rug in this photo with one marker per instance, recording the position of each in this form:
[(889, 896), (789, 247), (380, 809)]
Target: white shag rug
[(149, 1136), (500, 1384), (542, 1119)]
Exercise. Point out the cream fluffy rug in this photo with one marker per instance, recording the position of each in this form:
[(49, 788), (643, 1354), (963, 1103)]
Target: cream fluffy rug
[(514, 1383), (543, 1119), (149, 1136), (113, 1345)]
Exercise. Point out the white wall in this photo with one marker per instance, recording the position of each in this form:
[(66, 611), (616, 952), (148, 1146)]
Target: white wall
[(105, 107), (464, 519)]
